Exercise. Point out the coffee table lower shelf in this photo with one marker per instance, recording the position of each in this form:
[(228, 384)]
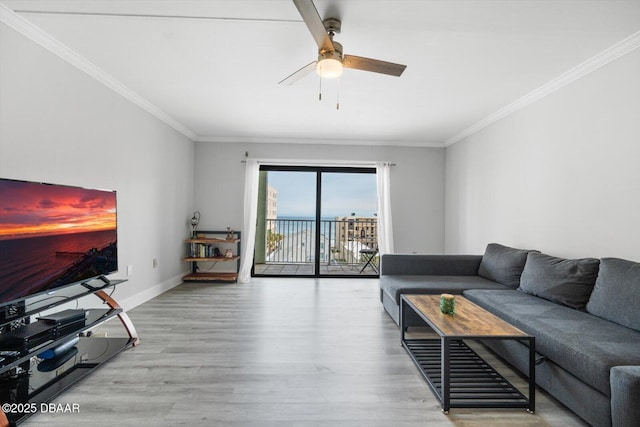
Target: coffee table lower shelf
[(473, 383)]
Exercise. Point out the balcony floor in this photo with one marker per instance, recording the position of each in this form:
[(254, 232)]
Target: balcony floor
[(272, 269)]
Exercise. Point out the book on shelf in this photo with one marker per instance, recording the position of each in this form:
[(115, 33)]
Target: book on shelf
[(204, 250)]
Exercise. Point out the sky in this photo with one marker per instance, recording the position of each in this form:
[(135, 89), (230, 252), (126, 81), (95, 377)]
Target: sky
[(29, 209), (342, 193)]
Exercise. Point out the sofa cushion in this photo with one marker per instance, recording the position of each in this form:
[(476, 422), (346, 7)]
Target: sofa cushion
[(584, 345), (394, 285), (503, 264), (564, 281), (432, 265), (616, 296)]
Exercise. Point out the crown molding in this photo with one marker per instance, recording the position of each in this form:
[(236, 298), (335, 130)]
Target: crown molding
[(603, 58), (319, 141), (37, 35), (44, 39)]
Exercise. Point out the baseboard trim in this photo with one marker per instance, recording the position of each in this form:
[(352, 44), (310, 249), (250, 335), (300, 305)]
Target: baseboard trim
[(150, 293)]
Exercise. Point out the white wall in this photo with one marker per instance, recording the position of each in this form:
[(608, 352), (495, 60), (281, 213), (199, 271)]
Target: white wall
[(59, 125), (417, 181), (561, 175)]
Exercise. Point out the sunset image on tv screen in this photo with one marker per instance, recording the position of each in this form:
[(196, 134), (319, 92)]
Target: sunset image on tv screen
[(33, 209), (54, 235)]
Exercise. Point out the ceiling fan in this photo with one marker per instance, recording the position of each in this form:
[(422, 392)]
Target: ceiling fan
[(331, 60)]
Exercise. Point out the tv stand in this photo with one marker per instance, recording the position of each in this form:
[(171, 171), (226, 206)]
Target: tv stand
[(124, 317), (27, 382), (105, 283)]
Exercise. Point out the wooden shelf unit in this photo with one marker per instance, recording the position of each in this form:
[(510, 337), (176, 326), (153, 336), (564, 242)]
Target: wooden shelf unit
[(204, 245), (213, 240), (222, 259), (209, 277)]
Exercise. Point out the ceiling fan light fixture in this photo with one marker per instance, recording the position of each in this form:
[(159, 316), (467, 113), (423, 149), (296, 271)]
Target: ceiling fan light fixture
[(329, 68), (330, 64)]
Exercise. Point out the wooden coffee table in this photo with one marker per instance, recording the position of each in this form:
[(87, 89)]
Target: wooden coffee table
[(458, 376)]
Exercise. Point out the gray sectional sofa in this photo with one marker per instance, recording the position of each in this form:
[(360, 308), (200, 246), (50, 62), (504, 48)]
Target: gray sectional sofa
[(584, 313)]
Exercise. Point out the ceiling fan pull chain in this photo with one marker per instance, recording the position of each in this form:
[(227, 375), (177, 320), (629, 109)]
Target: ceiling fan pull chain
[(338, 93), (320, 90)]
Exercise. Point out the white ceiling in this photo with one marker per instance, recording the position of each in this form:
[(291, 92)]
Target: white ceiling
[(218, 77)]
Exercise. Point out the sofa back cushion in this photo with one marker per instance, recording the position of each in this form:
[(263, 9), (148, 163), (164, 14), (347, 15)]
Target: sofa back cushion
[(616, 296), (563, 281), (503, 264)]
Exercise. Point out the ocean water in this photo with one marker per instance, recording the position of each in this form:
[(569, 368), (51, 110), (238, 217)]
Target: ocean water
[(31, 265)]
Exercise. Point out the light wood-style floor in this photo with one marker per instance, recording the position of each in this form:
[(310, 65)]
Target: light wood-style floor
[(275, 352)]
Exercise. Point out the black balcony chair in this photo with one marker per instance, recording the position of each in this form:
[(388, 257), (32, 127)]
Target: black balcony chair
[(370, 254)]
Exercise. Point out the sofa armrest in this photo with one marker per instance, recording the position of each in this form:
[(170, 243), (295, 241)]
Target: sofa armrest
[(434, 265), (625, 395)]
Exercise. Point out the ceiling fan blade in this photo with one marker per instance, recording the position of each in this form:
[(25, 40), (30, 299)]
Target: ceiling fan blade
[(302, 72), (374, 65), (311, 17)]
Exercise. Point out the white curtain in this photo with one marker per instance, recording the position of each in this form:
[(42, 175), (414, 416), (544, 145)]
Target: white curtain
[(251, 181), (385, 228)]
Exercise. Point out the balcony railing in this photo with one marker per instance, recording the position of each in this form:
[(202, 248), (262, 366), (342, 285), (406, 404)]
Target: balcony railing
[(342, 242)]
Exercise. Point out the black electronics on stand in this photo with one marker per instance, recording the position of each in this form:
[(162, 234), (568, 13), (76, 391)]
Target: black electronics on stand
[(65, 322), (47, 328), (27, 336), (12, 312)]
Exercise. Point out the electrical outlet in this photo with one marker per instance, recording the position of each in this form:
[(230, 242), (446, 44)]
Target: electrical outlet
[(129, 270)]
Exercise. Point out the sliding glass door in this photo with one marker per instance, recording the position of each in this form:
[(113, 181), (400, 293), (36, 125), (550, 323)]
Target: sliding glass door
[(316, 222), (348, 218), (286, 227)]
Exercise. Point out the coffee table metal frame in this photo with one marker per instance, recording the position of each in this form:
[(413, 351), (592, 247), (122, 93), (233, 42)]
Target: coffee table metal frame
[(458, 376)]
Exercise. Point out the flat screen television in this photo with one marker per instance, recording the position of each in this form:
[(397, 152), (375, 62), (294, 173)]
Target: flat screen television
[(52, 236)]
